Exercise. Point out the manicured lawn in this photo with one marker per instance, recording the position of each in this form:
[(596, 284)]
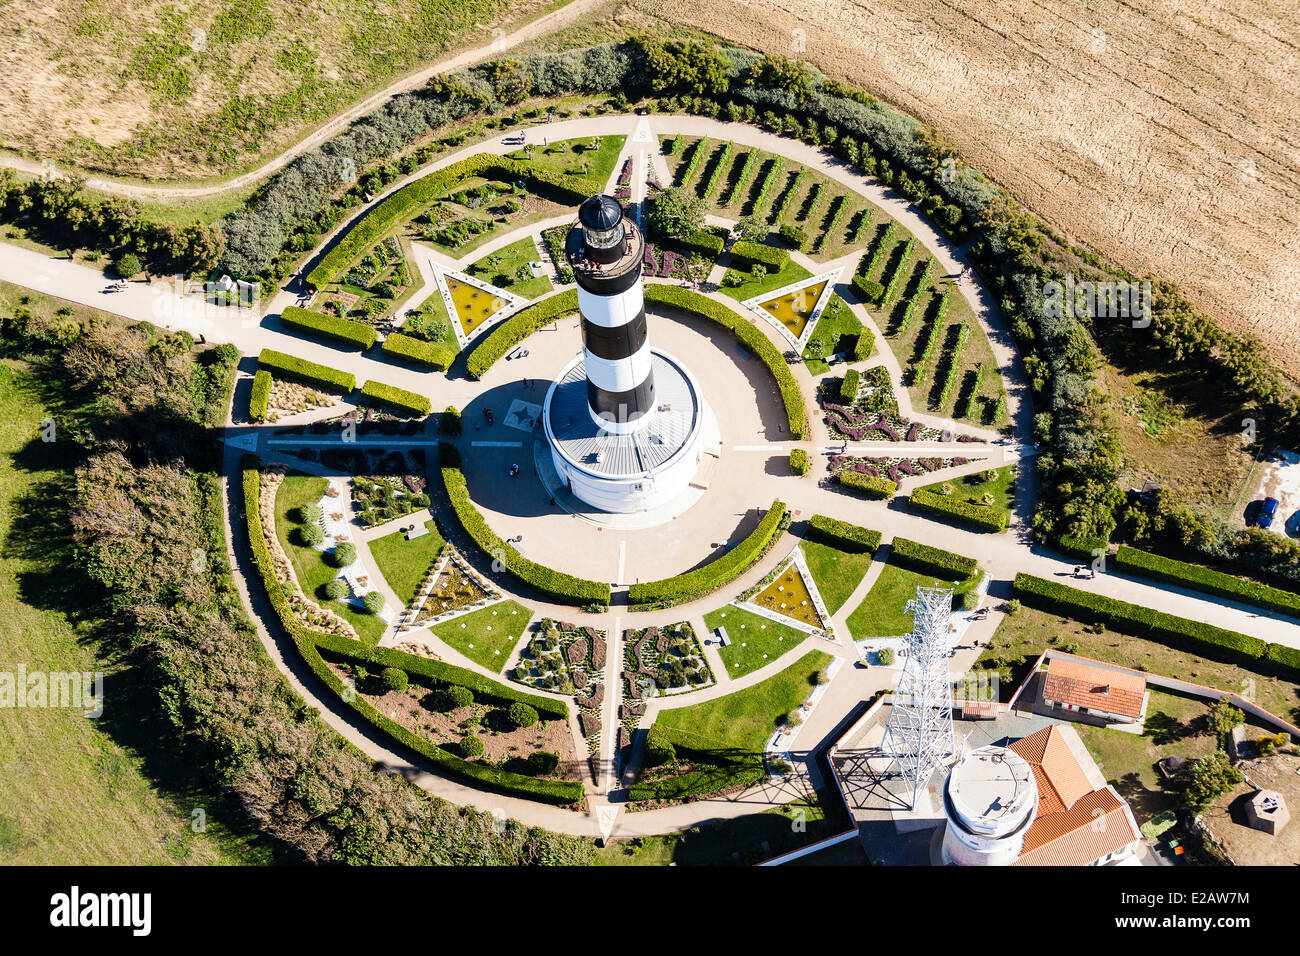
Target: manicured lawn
[(1022, 636), (587, 170), (881, 612), (974, 487), (508, 262), (488, 636), (742, 722), (769, 283), (837, 323), (755, 641), (1128, 761), (836, 572), (404, 564), (308, 563)]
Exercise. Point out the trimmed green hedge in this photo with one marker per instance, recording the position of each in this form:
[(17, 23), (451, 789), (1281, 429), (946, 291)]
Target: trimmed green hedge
[(1082, 546), (311, 373), (1206, 579), (309, 643), (518, 327), (746, 255), (799, 461), (849, 386), (931, 560), (867, 290), (399, 398), (564, 588), (708, 244), (371, 227), (710, 577), (976, 516), (842, 535), (864, 345), (434, 355), (330, 327), (1056, 598), (260, 398), (869, 485), (749, 335)]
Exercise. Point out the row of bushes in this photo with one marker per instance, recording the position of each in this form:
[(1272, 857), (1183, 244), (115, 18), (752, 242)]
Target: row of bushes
[(891, 284), (872, 486), (1206, 579), (981, 517), (933, 335), (931, 560), (799, 463), (746, 255), (842, 535), (1135, 619), (354, 334), (366, 231), (954, 365), (1082, 546), (260, 398), (748, 334), (710, 577), (308, 643), (399, 398), (916, 296), (564, 588), (309, 373), (518, 327), (434, 355)]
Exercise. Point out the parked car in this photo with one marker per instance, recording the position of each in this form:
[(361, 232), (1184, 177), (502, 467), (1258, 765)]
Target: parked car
[(1266, 512)]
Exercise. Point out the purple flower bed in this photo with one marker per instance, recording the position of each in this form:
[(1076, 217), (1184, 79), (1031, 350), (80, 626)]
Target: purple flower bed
[(625, 175), (914, 431), (673, 263)]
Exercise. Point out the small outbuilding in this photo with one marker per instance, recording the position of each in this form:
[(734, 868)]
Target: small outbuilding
[(1267, 812)]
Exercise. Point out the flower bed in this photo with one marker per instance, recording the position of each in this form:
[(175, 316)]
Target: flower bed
[(558, 659), (665, 659)]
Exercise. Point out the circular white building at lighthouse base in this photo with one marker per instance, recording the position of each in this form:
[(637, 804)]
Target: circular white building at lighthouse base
[(641, 471)]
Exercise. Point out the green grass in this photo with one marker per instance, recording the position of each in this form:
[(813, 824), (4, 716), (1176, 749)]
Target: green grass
[(509, 260), (308, 563), (405, 564), (78, 791), (972, 488), (881, 612), (588, 170), (836, 572), (742, 722), (769, 283), (755, 640), (488, 636), (834, 325)]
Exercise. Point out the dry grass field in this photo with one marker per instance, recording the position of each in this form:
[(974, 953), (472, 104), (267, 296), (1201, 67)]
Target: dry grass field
[(1161, 134)]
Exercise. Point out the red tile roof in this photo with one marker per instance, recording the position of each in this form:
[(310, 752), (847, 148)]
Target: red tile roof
[(1071, 681)]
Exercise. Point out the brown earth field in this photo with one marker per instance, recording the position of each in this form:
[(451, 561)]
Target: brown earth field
[(1161, 134)]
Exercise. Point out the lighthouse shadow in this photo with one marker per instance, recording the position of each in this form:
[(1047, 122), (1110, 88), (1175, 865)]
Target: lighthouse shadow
[(500, 427)]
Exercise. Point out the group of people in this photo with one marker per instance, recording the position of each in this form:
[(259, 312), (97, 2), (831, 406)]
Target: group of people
[(514, 470), (1080, 569)]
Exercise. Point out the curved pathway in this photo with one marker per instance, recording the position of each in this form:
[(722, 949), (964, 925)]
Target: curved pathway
[(1002, 556)]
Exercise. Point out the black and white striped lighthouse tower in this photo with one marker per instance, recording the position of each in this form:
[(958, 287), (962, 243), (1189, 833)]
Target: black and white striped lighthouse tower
[(605, 253)]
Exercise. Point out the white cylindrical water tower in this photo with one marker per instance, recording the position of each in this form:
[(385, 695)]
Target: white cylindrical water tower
[(989, 802)]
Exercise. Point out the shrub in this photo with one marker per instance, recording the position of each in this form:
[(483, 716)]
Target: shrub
[(842, 535), (450, 423), (864, 345), (892, 283), (885, 657), (345, 553), (329, 326), (931, 560), (394, 678), (707, 244), (869, 485), (543, 762), (311, 535), (336, 589), (699, 783), (434, 355), (518, 327), (308, 514), (980, 517), (128, 266), (867, 290), (1082, 546), (799, 461), (1207, 580), (455, 697), (309, 373), (471, 747), (260, 397), (849, 386), (373, 601), (794, 237), (398, 398), (658, 748), (521, 715), (716, 573), (954, 366), (746, 255)]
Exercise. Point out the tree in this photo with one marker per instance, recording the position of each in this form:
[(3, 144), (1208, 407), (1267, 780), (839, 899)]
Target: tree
[(686, 65), (752, 228), (1208, 777), (374, 602), (1223, 718), (522, 715), (675, 213), (394, 678), (128, 266)]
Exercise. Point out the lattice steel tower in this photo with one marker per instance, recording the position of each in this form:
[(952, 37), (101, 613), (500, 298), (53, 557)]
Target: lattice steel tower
[(919, 733)]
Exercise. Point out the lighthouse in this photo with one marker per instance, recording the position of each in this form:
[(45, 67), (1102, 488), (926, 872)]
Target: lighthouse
[(624, 421)]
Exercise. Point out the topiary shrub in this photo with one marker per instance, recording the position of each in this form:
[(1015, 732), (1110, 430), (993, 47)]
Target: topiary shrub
[(799, 461), (522, 715), (374, 602), (394, 678), (450, 422), (310, 535), (542, 762), (471, 747), (336, 589), (308, 514), (345, 553), (455, 697)]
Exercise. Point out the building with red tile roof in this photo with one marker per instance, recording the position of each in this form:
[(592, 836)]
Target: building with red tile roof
[(1090, 688)]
